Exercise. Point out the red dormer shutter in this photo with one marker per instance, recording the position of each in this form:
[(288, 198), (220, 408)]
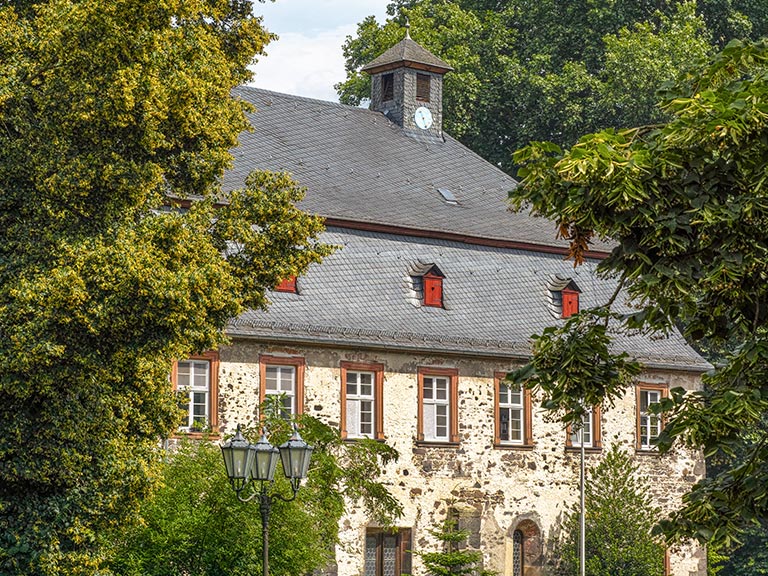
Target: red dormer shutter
[(570, 302), (433, 290), (287, 285)]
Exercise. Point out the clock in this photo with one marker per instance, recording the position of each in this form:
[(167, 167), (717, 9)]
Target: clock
[(423, 117)]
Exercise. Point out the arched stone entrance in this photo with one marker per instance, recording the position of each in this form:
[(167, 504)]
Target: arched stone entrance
[(524, 550)]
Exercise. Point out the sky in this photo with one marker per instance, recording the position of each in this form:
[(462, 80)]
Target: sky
[(307, 59)]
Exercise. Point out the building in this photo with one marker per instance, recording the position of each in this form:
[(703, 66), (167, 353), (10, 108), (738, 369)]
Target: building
[(405, 332)]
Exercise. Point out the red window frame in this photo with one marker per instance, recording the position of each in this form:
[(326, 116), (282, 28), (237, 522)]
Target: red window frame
[(570, 302), (433, 290)]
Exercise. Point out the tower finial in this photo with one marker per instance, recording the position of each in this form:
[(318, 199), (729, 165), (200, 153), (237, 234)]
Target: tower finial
[(407, 27)]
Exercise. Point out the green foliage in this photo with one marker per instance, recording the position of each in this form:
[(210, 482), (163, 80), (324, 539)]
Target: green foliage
[(575, 368), (107, 108), (453, 559), (195, 525), (686, 203), (619, 519), (551, 70)]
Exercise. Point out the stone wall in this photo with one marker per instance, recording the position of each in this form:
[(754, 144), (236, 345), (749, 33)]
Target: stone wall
[(494, 490)]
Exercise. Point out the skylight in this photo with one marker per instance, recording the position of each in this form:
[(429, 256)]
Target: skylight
[(448, 196)]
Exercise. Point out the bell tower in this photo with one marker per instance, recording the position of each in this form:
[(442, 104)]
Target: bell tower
[(407, 87)]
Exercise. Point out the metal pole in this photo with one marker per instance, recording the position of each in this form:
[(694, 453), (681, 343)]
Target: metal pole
[(265, 502), (582, 531)]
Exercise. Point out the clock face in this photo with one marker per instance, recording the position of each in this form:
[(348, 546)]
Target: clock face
[(423, 117)]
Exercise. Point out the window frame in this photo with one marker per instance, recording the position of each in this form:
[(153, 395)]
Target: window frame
[(212, 357), (423, 81), (432, 284), (527, 407), (388, 87), (569, 302), (452, 375), (298, 363), (663, 390), (378, 396), (596, 432), (403, 559)]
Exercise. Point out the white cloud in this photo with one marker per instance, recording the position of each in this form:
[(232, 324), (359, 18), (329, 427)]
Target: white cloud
[(307, 59)]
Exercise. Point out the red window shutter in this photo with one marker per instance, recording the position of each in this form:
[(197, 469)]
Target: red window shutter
[(570, 303), (287, 285), (433, 291)]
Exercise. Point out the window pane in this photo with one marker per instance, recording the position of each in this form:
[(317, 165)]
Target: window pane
[(428, 385), (353, 418), (390, 555), (370, 556)]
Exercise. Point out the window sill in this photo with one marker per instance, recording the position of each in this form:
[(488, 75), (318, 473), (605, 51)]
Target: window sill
[(436, 444), (587, 449), (524, 447), (647, 451), (196, 435), (354, 439)]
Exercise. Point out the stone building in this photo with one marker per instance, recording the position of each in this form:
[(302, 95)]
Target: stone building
[(405, 333)]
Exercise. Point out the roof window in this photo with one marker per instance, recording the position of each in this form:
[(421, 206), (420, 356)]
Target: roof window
[(429, 279), (563, 297), (287, 285), (448, 196)]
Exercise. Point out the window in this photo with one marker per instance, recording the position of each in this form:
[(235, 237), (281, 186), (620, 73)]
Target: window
[(284, 377), (590, 431), (422, 87), (287, 285), (649, 425), (563, 301), (387, 553), (433, 290), (387, 87), (512, 414), (438, 399), (362, 413), (570, 302), (196, 380)]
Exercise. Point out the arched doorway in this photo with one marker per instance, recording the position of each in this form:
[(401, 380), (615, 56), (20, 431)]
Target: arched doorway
[(524, 551)]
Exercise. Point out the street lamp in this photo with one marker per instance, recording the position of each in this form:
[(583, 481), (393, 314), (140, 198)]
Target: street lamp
[(248, 463)]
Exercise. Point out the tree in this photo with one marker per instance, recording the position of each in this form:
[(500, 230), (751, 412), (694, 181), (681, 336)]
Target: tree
[(619, 519), (453, 559), (195, 525), (110, 111), (685, 202), (550, 70)]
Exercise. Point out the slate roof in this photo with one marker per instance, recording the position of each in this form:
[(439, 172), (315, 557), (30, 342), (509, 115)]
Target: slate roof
[(359, 166), (404, 52), (495, 299)]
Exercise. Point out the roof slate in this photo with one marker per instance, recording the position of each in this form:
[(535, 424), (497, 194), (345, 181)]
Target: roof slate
[(359, 166), (406, 51), (494, 298)]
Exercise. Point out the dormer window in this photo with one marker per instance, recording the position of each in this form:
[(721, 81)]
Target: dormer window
[(287, 285), (428, 281), (563, 297), (387, 87), (433, 290), (422, 87), (570, 300)]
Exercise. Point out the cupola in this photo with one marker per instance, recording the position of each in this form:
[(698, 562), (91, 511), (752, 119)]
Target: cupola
[(407, 87)]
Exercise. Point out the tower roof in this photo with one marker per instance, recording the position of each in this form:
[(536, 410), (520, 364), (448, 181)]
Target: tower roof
[(410, 54)]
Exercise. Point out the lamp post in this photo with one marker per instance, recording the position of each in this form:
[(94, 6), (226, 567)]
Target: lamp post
[(248, 463)]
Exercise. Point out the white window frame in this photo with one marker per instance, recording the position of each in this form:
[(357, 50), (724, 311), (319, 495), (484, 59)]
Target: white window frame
[(433, 406), (586, 431), (648, 423), (193, 388), (510, 408), (355, 402), (289, 395)]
